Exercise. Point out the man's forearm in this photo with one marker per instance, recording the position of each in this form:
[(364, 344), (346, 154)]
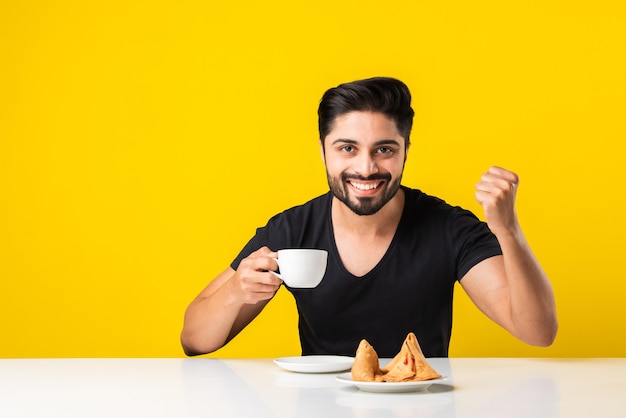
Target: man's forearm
[(533, 308)]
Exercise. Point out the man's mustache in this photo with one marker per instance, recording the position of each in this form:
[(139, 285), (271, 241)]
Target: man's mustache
[(377, 176)]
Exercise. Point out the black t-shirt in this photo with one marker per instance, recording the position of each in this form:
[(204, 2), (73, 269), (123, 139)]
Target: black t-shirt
[(409, 290)]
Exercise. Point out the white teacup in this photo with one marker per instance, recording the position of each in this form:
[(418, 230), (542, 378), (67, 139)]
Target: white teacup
[(301, 267)]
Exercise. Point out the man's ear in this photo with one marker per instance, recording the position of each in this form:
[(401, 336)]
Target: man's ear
[(406, 151), (322, 151)]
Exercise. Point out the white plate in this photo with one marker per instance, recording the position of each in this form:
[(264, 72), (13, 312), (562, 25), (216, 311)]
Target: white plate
[(388, 387), (315, 364)]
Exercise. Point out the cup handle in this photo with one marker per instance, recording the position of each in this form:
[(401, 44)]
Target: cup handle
[(277, 274)]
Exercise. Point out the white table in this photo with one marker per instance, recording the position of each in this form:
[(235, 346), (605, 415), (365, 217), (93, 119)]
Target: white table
[(204, 387)]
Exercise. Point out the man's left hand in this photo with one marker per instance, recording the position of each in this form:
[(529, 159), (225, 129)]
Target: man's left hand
[(496, 193)]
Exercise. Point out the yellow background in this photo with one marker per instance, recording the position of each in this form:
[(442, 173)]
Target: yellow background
[(141, 144)]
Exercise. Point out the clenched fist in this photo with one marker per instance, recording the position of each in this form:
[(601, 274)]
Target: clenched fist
[(496, 192)]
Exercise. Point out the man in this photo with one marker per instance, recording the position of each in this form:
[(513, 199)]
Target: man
[(395, 253)]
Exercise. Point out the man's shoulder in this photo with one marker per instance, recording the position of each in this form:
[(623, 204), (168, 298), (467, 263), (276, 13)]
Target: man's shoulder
[(417, 198), (423, 204), (315, 206)]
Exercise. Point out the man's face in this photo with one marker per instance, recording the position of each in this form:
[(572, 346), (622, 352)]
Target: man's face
[(364, 156)]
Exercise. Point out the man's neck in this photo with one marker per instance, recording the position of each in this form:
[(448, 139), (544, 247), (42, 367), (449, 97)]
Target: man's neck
[(381, 223)]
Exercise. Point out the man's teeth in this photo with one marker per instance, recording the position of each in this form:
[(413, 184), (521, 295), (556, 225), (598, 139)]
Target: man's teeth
[(364, 186)]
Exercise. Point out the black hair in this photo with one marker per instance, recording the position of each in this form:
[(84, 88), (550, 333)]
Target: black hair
[(386, 95)]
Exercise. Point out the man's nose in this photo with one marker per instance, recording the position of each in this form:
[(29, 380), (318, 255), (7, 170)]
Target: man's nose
[(366, 165)]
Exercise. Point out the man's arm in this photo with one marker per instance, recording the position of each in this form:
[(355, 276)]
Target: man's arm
[(511, 289), (229, 303)]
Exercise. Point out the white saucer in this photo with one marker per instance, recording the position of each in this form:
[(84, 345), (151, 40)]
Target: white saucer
[(388, 387), (315, 364)]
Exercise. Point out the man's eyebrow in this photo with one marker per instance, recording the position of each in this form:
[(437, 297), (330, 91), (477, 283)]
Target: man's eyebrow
[(377, 143), (344, 141), (387, 142)]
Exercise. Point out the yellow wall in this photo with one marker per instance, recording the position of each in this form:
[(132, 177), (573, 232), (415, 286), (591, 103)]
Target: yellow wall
[(141, 144)]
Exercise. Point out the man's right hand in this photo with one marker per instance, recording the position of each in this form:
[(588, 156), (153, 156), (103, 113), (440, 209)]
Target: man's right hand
[(253, 281)]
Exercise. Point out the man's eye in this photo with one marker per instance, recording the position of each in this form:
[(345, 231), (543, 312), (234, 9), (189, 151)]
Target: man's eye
[(385, 150), (347, 148)]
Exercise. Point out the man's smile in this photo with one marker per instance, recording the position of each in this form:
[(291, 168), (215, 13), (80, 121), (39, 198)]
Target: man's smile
[(365, 186)]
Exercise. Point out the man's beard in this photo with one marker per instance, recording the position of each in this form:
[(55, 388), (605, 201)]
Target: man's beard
[(365, 205)]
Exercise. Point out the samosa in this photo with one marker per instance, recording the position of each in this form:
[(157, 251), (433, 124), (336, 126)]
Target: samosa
[(409, 365)]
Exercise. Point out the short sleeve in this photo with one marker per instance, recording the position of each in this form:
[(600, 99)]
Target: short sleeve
[(473, 241)]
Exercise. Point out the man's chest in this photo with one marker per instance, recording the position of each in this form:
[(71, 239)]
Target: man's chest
[(358, 255)]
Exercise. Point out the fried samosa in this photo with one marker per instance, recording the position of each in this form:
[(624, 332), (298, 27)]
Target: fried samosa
[(366, 367), (409, 365)]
